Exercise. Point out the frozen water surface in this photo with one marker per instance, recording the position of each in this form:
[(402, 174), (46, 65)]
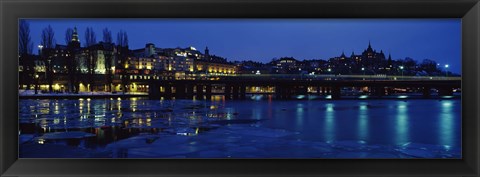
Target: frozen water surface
[(219, 128)]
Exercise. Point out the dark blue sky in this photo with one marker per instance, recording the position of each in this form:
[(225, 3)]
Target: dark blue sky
[(264, 39)]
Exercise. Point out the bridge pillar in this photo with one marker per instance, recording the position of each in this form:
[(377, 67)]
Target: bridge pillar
[(199, 91), (282, 92), (278, 91), (379, 91), (243, 90), (180, 91), (426, 92), (324, 90), (445, 91), (153, 90), (168, 91), (189, 91), (208, 91), (300, 90), (336, 93), (236, 91), (228, 91)]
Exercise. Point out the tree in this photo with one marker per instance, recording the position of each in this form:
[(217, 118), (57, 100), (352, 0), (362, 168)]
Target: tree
[(90, 37), (122, 51), (107, 39), (122, 38), (48, 38), (107, 35), (48, 43), (410, 66), (25, 45), (90, 41), (25, 48), (429, 66)]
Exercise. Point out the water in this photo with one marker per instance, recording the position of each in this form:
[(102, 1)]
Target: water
[(252, 128)]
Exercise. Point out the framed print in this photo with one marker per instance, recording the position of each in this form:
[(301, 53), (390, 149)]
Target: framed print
[(174, 88)]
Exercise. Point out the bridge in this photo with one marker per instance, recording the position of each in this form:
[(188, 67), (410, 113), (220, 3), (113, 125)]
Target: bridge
[(285, 86)]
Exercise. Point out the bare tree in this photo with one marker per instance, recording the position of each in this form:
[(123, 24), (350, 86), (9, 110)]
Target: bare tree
[(122, 38), (107, 35), (25, 48), (68, 35), (48, 42), (48, 38), (122, 53), (90, 37), (90, 41), (25, 45), (108, 49)]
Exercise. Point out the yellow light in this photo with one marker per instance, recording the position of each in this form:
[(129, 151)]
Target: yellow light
[(56, 87), (126, 65)]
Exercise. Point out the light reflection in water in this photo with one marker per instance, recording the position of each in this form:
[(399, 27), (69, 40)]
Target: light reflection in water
[(329, 122), (300, 115), (363, 124), (446, 123), (402, 123)]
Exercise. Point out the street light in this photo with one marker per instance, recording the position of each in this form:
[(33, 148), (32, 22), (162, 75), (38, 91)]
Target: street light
[(401, 68), (36, 83), (40, 47), (446, 70), (363, 69)]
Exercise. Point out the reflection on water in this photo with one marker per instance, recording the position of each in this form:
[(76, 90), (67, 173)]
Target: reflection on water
[(329, 122), (402, 123), (281, 126), (363, 121), (447, 124)]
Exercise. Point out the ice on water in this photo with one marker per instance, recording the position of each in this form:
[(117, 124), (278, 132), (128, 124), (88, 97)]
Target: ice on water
[(188, 129)]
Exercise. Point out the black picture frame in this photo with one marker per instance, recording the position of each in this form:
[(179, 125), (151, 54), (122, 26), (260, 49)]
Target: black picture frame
[(467, 10)]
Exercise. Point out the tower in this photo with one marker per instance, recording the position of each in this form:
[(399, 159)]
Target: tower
[(207, 53), (75, 42), (343, 57), (75, 35), (389, 61)]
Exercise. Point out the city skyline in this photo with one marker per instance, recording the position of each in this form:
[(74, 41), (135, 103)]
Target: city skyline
[(259, 89), (262, 40)]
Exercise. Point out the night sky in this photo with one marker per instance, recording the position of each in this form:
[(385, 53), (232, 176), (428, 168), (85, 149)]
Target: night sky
[(264, 39)]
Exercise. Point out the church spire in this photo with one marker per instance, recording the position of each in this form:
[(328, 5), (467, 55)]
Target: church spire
[(207, 53), (369, 49)]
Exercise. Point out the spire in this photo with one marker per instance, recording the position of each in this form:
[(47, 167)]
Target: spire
[(369, 49), (207, 53), (343, 54), (75, 35), (389, 57)]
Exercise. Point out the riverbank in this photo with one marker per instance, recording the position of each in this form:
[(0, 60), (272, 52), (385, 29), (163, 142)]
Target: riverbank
[(30, 94)]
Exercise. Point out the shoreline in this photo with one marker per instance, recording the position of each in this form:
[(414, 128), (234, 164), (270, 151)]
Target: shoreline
[(250, 97)]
